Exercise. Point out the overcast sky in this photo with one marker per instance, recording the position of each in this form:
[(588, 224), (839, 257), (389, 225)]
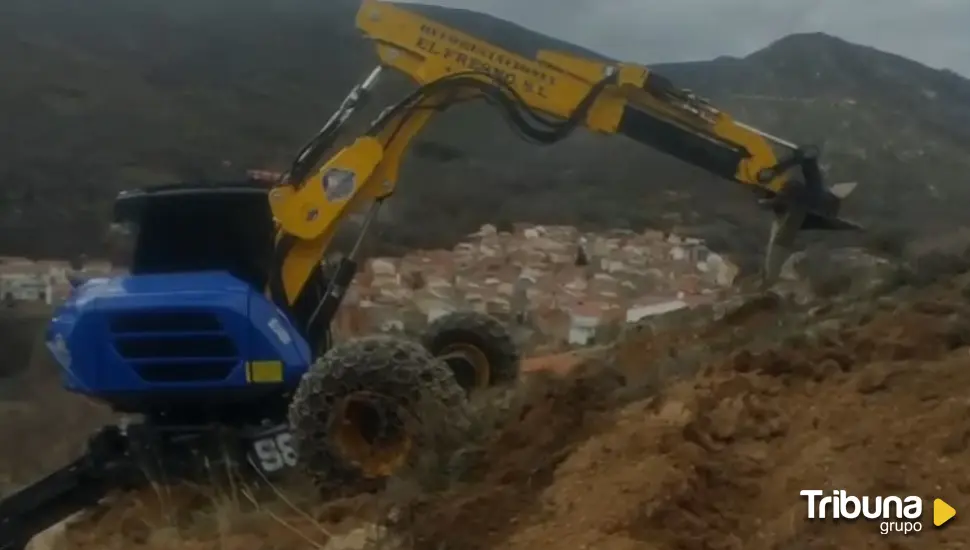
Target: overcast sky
[(934, 32)]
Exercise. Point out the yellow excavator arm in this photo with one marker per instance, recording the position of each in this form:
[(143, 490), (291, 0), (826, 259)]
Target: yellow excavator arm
[(544, 99)]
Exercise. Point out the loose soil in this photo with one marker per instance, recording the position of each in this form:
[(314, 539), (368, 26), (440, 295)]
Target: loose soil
[(697, 434)]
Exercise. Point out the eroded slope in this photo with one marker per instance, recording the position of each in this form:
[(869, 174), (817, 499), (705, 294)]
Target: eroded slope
[(863, 397), (697, 434)]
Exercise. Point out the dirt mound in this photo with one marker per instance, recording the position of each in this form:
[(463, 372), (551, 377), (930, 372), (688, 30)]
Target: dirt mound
[(869, 399), (518, 465), (688, 434)]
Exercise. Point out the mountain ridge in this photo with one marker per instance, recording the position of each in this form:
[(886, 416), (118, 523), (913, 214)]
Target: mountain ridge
[(181, 91)]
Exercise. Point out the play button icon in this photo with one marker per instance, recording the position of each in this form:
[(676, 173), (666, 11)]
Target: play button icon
[(942, 512)]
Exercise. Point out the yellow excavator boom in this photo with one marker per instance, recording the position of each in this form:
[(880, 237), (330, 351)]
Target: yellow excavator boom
[(545, 98), (641, 104)]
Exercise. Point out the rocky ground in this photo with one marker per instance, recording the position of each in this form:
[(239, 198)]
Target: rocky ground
[(694, 433)]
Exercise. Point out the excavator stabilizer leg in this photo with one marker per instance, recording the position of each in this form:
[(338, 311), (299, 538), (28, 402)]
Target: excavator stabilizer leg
[(79, 485)]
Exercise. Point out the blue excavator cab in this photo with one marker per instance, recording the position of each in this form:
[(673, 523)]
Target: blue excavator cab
[(189, 331)]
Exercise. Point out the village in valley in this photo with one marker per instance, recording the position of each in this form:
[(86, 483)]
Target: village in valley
[(561, 287), (24, 281)]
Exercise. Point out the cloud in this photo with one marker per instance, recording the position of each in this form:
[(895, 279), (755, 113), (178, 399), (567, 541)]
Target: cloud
[(933, 32)]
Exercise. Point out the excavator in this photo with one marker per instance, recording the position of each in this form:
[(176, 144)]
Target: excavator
[(216, 346)]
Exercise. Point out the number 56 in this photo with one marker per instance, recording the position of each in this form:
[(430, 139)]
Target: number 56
[(275, 453)]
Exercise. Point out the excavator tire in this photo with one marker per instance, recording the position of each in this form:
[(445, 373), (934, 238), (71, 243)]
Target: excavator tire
[(476, 347), (372, 407)]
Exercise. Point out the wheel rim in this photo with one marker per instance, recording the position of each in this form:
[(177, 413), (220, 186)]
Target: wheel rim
[(469, 365), (369, 432)]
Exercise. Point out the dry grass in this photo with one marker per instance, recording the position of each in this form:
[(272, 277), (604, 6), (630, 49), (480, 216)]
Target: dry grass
[(237, 516)]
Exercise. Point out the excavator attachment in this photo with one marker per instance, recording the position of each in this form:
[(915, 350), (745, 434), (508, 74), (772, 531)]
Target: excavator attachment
[(802, 205), (794, 216), (844, 189)]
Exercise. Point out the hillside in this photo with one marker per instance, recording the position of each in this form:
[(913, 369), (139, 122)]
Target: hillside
[(106, 94), (695, 430)]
